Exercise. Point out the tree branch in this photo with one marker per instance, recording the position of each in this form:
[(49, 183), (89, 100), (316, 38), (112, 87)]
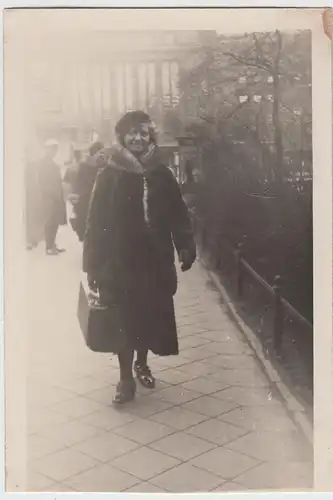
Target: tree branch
[(248, 62)]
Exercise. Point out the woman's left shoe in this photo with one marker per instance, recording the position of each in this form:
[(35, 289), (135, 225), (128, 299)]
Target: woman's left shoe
[(144, 376), (125, 392)]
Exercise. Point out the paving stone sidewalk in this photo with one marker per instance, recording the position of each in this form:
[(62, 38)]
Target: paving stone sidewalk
[(213, 423)]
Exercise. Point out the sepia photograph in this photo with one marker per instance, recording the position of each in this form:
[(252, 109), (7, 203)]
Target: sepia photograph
[(167, 233)]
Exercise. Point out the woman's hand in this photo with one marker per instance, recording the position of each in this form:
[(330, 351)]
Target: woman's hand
[(186, 260), (92, 283)]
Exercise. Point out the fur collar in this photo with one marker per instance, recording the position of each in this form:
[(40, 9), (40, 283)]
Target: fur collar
[(121, 158)]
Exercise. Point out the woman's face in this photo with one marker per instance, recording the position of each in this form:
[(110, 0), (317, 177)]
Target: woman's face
[(137, 139)]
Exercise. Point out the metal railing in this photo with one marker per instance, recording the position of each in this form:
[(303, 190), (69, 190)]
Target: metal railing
[(280, 304)]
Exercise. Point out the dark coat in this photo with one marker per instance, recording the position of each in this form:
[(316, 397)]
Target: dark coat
[(33, 205), (52, 195), (133, 262), (82, 187)]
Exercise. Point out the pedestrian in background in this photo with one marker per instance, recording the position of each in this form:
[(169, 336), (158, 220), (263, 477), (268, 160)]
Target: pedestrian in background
[(71, 172), (83, 185), (136, 214), (52, 196), (33, 206)]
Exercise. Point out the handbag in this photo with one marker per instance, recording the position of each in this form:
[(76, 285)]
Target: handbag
[(102, 326)]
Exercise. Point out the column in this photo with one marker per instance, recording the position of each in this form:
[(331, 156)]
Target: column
[(147, 89), (158, 79), (135, 85), (124, 85), (170, 81)]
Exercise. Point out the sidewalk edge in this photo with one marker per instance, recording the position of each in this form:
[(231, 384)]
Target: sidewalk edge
[(295, 409)]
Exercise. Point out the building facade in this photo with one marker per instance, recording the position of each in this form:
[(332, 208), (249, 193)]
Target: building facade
[(85, 81)]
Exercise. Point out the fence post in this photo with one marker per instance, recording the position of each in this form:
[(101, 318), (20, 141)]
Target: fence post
[(278, 316), (217, 259), (239, 273)]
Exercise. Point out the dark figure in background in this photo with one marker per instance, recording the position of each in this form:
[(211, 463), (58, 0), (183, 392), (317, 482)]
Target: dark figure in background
[(136, 213), (72, 171), (83, 186), (190, 188), (33, 207), (52, 197)]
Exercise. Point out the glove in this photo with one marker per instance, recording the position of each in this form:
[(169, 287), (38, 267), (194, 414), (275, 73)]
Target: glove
[(186, 260), (92, 283)]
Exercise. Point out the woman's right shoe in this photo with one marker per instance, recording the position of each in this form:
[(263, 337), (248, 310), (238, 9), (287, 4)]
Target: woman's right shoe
[(125, 392)]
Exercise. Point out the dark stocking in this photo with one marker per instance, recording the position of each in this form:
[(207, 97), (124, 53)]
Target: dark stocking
[(125, 364), (141, 357)]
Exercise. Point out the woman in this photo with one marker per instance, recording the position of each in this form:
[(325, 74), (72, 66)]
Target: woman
[(136, 214)]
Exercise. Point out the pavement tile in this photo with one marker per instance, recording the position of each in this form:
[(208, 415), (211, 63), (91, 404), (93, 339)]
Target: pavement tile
[(186, 478), (215, 431), (178, 418), (175, 376), (103, 396), (45, 396), (241, 377), (197, 353), (70, 433), (37, 418), (224, 463), (38, 446), (224, 334), (282, 476), (171, 361), (58, 488), (209, 406), (230, 362), (198, 368), (176, 395), (144, 431), (231, 347), (35, 482), (205, 385), (249, 418), (145, 487), (106, 446), (85, 385), (243, 396), (273, 446), (78, 407), (229, 487), (182, 446), (187, 330), (107, 418), (103, 478), (63, 464), (145, 463), (192, 341), (147, 406)]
